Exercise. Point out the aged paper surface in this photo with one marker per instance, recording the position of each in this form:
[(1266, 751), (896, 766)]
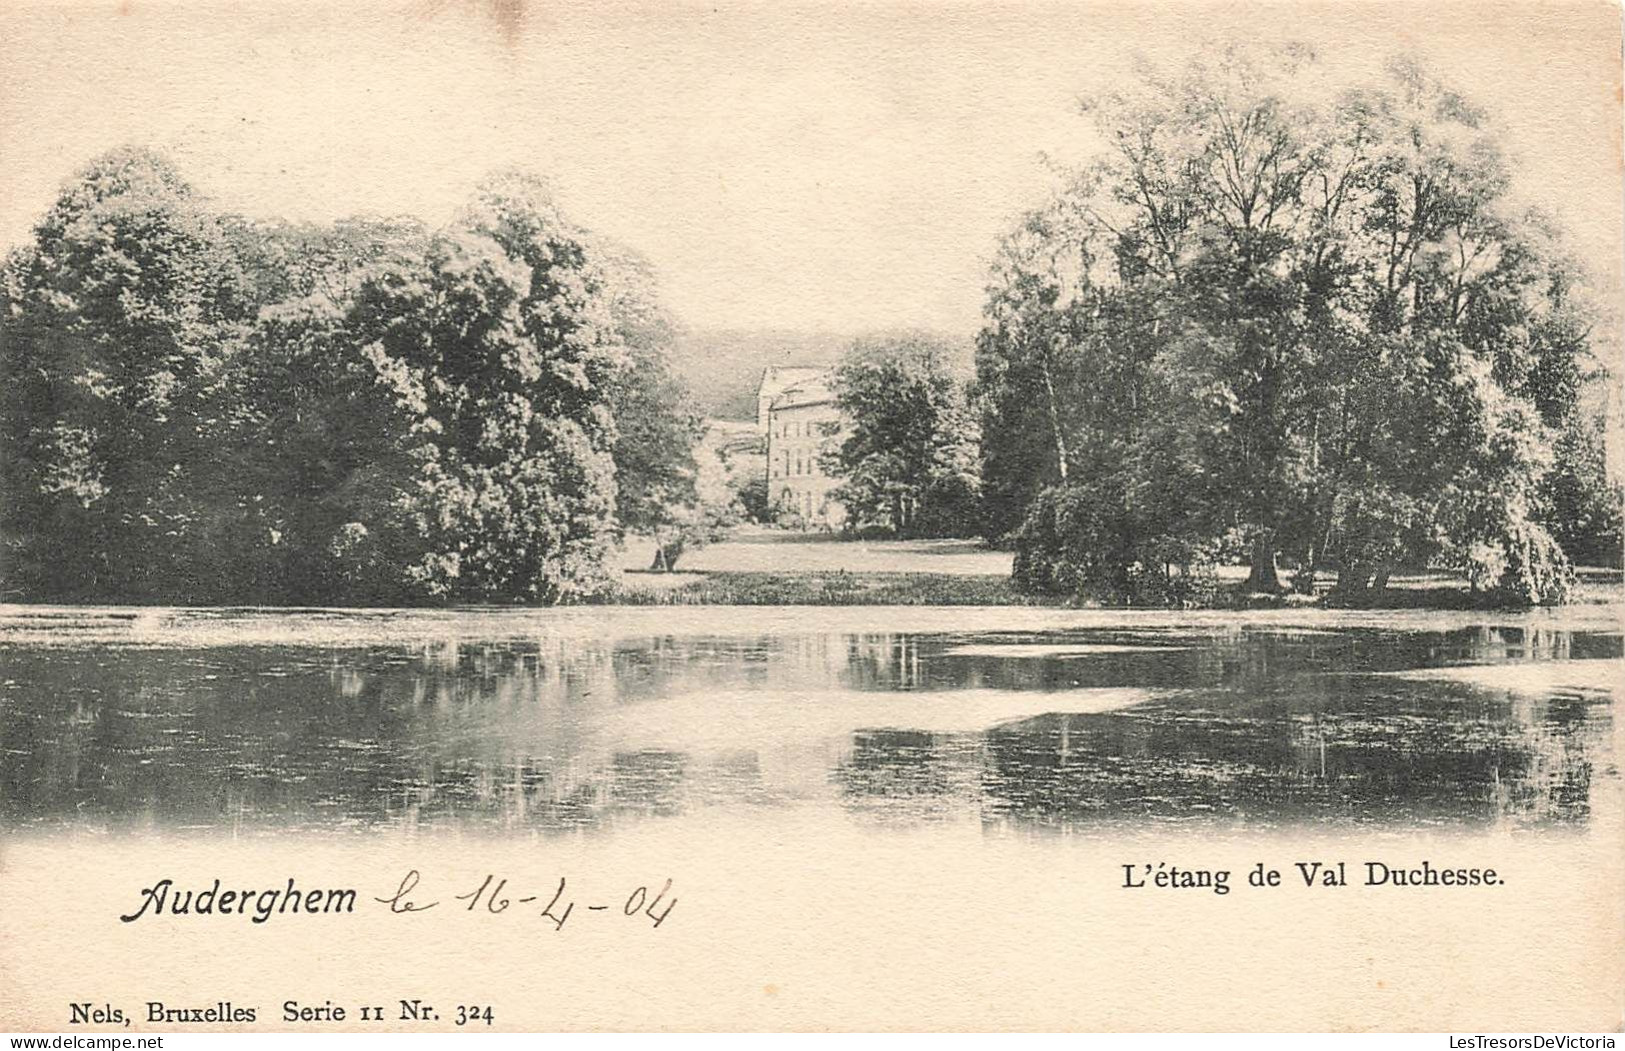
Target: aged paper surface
[(921, 812)]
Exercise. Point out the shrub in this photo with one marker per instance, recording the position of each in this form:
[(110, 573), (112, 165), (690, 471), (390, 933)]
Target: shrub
[(1077, 540), (1069, 544), (1536, 571)]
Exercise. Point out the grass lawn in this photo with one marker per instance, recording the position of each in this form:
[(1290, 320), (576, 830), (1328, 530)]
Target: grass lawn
[(826, 588), (758, 550), (757, 567)]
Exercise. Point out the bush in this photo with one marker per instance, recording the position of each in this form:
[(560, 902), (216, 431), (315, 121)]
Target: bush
[(753, 501), (1194, 586), (1536, 571), (837, 588), (1516, 562), (1179, 574), (1579, 503), (1078, 541), (1069, 545)]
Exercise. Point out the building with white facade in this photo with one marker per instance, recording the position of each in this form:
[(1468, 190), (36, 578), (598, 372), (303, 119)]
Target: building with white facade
[(799, 420)]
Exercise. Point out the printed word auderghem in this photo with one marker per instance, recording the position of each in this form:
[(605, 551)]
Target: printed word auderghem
[(260, 905)]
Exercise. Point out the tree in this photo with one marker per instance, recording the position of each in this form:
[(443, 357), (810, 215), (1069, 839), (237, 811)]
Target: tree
[(658, 428), (317, 430), (1027, 383), (121, 320), (1578, 502), (335, 442), (707, 509), (1318, 297), (202, 407), (909, 452), (502, 351)]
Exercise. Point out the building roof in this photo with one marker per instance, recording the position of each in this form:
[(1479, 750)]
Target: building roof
[(776, 379), (814, 390)]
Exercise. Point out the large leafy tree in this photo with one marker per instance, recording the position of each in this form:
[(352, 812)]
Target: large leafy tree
[(321, 439), (499, 343), (121, 321), (1319, 297), (202, 407), (908, 451)]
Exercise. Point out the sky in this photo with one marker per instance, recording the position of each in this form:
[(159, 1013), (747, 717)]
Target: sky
[(836, 167)]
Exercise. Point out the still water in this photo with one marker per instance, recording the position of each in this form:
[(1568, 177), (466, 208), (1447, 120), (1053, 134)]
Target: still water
[(464, 723)]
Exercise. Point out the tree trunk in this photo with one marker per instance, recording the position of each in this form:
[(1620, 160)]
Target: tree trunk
[(1345, 580), (1303, 581), (1266, 575), (1055, 422), (666, 555), (1353, 579)]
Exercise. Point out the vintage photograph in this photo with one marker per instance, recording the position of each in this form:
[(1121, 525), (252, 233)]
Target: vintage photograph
[(875, 515)]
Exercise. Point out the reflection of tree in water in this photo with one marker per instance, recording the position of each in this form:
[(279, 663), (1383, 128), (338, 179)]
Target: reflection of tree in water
[(1556, 785), (1268, 726), (1226, 655), (906, 775), (1392, 753)]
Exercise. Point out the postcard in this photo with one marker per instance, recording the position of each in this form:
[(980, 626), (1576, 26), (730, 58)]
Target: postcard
[(933, 516)]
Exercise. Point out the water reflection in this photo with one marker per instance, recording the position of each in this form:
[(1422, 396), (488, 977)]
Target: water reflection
[(1065, 730)]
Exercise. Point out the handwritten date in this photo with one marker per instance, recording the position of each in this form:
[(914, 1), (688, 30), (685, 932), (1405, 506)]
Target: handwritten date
[(492, 896)]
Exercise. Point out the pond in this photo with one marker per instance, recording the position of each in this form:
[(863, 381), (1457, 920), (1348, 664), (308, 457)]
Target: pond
[(343, 724)]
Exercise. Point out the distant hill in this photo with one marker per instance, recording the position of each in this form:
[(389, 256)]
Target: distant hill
[(722, 367)]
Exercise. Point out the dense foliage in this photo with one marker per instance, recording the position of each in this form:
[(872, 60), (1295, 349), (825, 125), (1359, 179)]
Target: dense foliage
[(1281, 319), (907, 447), (201, 408)]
